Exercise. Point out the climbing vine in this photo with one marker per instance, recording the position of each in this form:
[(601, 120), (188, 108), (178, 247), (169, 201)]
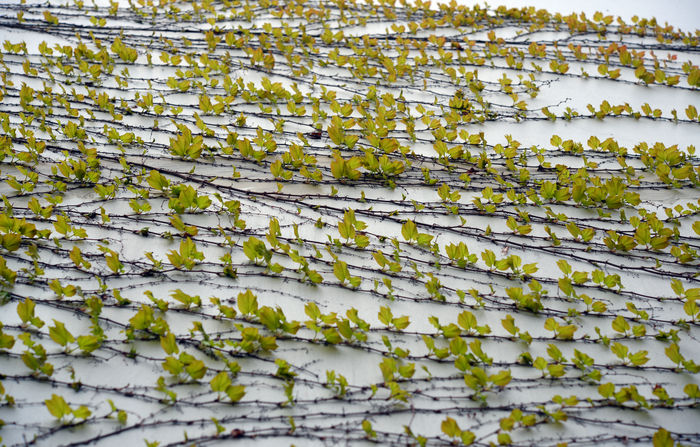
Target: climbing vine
[(340, 222)]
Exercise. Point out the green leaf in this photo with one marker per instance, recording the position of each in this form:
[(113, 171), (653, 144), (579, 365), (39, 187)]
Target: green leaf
[(89, 343), (247, 303), (11, 241), (401, 323), (550, 324), (235, 392), (312, 311), (82, 412), (674, 354), (196, 369), (566, 332), (619, 350), (621, 325), (409, 230), (57, 406), (606, 390), (157, 181), (407, 371), (556, 370), (662, 438), (351, 140), (113, 262), (564, 267), (467, 437), (489, 258), (61, 225), (361, 240), (60, 334), (540, 363), (336, 131), (385, 316), (639, 358), (467, 320), (599, 307), (25, 310), (315, 277), (220, 383), (450, 428), (692, 390), (458, 347), (7, 341), (502, 378), (367, 427), (172, 365), (340, 269), (169, 343), (332, 336), (424, 239), (580, 277), (269, 317), (677, 287), (508, 324), (185, 299), (530, 269), (696, 227)]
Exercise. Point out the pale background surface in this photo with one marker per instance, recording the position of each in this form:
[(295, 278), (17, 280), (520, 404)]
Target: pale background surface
[(683, 14)]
